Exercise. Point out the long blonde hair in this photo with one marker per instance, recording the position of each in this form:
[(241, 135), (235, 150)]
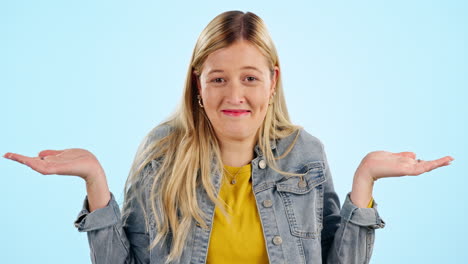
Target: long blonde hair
[(191, 143)]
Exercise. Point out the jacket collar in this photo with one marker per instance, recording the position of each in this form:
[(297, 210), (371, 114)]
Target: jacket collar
[(259, 152)]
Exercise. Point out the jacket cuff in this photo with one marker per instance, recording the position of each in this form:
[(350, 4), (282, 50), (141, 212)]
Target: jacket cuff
[(368, 217), (98, 219)]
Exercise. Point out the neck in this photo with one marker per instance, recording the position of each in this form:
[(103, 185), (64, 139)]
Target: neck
[(237, 153)]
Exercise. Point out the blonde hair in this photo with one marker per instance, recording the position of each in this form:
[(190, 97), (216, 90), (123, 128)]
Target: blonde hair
[(191, 143)]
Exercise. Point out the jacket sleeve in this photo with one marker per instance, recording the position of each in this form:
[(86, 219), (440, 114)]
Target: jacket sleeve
[(347, 234), (113, 240), (110, 241)]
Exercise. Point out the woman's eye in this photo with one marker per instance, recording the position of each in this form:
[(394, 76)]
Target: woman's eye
[(218, 80), (251, 78)]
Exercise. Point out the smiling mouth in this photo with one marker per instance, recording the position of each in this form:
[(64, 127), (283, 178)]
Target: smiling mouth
[(235, 112)]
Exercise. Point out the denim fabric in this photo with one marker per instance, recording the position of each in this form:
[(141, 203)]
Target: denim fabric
[(301, 220)]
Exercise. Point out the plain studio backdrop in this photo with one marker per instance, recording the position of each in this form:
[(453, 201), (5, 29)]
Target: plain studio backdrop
[(359, 75)]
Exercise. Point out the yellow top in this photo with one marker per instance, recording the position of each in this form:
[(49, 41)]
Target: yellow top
[(240, 238)]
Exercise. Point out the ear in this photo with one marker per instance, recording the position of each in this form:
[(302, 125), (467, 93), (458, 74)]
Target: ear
[(276, 73)]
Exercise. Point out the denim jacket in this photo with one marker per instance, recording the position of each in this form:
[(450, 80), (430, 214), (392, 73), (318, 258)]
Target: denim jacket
[(301, 220)]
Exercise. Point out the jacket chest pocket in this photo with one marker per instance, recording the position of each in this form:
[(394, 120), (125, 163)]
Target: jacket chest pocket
[(303, 200)]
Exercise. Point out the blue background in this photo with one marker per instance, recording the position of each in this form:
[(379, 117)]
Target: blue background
[(359, 75)]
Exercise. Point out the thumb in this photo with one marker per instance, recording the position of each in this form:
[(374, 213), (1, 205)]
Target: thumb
[(49, 152), (407, 154)]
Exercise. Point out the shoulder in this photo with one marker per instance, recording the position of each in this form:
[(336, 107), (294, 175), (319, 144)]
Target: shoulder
[(301, 141), (146, 148), (158, 132), (308, 140), (300, 149)]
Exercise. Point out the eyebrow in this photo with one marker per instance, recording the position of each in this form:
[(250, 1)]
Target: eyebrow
[(243, 68)]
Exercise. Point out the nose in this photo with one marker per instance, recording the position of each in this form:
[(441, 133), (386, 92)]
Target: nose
[(235, 94)]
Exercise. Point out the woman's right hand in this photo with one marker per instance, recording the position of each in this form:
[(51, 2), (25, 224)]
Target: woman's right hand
[(75, 162)]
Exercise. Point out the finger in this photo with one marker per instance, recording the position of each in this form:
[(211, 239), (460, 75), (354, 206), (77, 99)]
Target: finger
[(8, 155), (49, 152), (446, 163), (445, 159), (426, 166), (47, 167), (17, 157)]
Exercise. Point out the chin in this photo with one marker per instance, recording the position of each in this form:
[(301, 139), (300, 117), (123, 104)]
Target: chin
[(237, 133)]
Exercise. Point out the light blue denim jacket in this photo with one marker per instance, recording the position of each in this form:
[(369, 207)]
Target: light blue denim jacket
[(302, 221)]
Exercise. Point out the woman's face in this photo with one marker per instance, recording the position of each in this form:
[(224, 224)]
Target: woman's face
[(236, 85)]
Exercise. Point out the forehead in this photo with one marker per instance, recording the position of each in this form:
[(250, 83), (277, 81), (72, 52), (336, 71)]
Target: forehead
[(241, 54)]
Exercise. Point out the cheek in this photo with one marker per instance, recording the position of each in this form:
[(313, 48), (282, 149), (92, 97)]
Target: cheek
[(261, 99), (211, 99)]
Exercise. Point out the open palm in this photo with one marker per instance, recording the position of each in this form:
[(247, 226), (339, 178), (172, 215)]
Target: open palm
[(382, 164), (75, 161)]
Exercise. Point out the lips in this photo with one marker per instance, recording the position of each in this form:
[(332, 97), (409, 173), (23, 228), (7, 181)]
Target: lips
[(235, 112)]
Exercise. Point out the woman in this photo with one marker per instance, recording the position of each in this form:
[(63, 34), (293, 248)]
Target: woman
[(228, 178)]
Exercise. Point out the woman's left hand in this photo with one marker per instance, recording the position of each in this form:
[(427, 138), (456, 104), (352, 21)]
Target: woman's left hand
[(384, 164)]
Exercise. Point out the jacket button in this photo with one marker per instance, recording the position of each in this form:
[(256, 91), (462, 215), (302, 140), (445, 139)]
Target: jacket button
[(277, 240), (267, 203), (262, 164)]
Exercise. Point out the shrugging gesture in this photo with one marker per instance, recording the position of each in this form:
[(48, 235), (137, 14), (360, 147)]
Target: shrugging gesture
[(384, 164), (74, 162)]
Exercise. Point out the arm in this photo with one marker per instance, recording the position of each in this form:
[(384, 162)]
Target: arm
[(110, 241), (113, 238), (383, 164), (347, 234), (351, 238)]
